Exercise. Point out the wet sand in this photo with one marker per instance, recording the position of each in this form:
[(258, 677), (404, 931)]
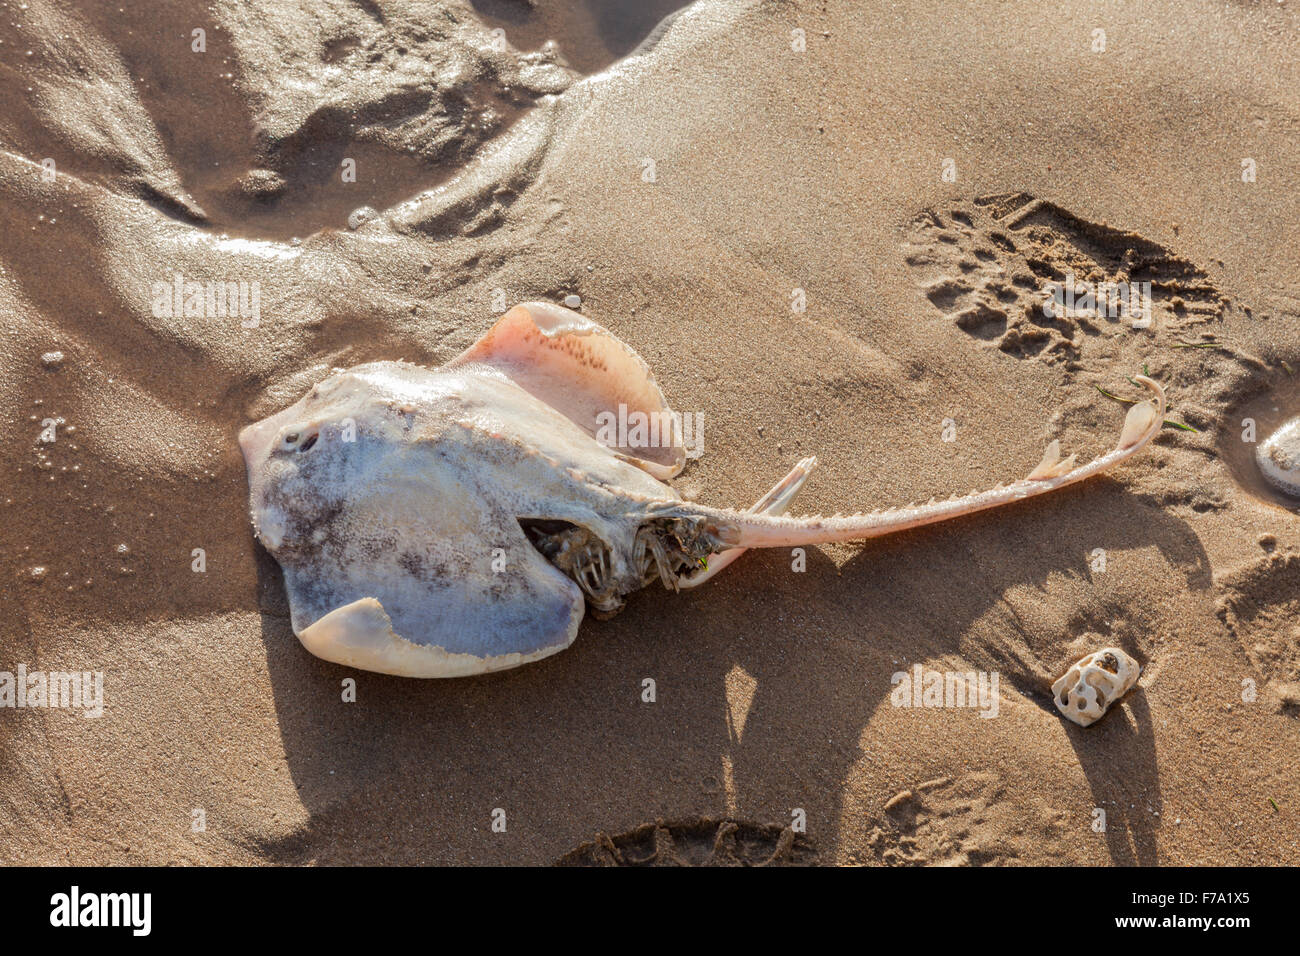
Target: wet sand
[(686, 194)]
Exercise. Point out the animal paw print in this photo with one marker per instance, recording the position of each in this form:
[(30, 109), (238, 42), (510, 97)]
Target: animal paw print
[(1260, 605), (696, 842), (968, 820), (1039, 281)]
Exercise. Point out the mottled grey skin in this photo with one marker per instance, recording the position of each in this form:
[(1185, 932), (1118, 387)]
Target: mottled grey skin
[(414, 511)]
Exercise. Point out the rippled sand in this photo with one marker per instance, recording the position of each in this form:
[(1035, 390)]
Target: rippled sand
[(894, 169)]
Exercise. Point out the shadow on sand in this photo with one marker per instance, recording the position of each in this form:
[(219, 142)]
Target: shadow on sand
[(414, 770)]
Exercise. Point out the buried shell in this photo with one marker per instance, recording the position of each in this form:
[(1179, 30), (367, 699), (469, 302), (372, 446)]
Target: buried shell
[(1278, 458), (458, 520)]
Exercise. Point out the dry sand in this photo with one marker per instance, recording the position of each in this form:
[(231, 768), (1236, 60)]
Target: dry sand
[(773, 170)]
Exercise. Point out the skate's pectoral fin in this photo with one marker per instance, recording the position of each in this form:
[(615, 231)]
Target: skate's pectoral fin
[(584, 371)]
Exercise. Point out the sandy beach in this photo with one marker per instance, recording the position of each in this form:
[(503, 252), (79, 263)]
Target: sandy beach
[(827, 228)]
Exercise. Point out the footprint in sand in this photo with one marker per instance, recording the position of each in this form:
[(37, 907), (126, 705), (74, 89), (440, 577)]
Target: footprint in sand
[(991, 265), (696, 842), (1260, 604), (967, 821)]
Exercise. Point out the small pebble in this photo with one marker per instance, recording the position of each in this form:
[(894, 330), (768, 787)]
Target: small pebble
[(52, 359), (572, 301), (359, 217)]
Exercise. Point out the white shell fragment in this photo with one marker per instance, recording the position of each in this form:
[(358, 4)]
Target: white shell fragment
[(1278, 458), (458, 520), (1091, 685)]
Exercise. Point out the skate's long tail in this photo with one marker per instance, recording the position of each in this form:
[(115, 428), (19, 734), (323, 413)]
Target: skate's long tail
[(749, 530)]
